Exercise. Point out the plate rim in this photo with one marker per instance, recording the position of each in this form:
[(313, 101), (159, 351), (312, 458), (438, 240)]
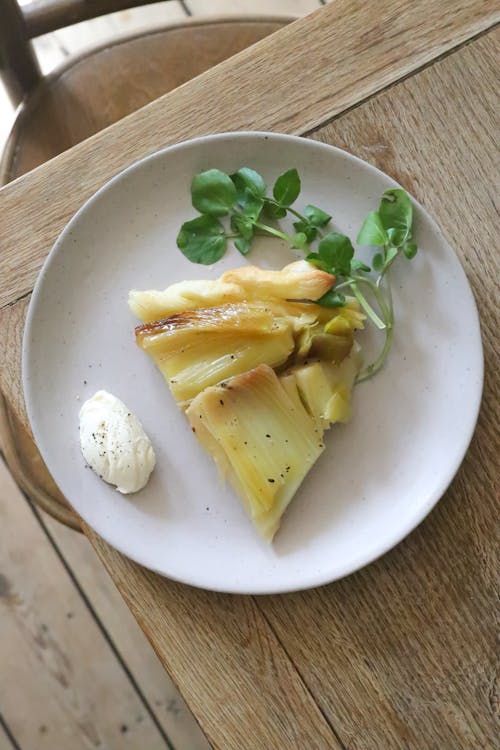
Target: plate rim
[(361, 560)]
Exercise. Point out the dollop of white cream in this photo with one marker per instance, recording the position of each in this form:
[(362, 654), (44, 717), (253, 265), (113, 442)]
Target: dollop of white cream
[(114, 443)]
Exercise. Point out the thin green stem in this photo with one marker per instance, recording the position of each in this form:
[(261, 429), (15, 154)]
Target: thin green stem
[(275, 232), (377, 293), (297, 215), (320, 233), (288, 208), (386, 307), (387, 266), (379, 362), (367, 307), (343, 285), (389, 290), (385, 274)]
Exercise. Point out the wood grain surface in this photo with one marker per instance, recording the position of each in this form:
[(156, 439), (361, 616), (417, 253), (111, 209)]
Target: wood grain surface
[(124, 645), (356, 53), (228, 663), (142, 663), (12, 324), (402, 654), (48, 653)]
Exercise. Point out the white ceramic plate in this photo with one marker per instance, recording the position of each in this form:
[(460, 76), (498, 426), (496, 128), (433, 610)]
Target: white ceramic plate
[(378, 477)]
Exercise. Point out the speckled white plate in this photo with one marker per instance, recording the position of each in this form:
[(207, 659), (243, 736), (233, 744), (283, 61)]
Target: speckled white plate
[(378, 477)]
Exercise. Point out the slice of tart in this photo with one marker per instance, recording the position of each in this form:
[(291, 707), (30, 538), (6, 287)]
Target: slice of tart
[(260, 370)]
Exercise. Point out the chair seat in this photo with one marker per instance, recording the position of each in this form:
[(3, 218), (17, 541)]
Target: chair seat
[(95, 90), (86, 95)]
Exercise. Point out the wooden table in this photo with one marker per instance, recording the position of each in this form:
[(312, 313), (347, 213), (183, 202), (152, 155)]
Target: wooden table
[(401, 654)]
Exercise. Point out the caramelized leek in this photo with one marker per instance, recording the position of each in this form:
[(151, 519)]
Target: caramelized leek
[(154, 305), (297, 281), (199, 348), (264, 439), (325, 388), (218, 344)]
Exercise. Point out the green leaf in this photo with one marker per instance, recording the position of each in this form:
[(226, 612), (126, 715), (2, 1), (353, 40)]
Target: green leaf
[(316, 260), (332, 299), (202, 240), (252, 205), (287, 188), (357, 265), (247, 179), (378, 262), (316, 216), (336, 251), (213, 192), (273, 211), (309, 231), (393, 237), (372, 231), (243, 245), (396, 214), (410, 250), (242, 225), (300, 241), (390, 255)]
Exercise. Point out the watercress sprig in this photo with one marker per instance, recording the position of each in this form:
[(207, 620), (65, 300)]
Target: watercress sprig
[(243, 198), (390, 229)]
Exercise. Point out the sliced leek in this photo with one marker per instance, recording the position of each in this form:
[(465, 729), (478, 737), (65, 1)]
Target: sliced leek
[(297, 281), (265, 441), (261, 371)]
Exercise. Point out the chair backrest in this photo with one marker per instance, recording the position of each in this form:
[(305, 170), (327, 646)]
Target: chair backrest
[(18, 65)]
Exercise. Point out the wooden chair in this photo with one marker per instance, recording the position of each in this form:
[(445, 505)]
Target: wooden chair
[(83, 96)]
